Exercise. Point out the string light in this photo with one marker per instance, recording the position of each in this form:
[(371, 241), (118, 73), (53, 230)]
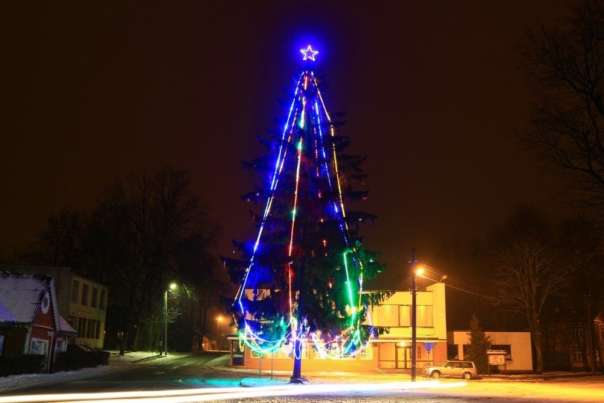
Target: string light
[(267, 335), (309, 53)]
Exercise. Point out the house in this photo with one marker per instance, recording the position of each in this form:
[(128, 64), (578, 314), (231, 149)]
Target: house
[(391, 350), (394, 316), (30, 322), (81, 301), (509, 351)]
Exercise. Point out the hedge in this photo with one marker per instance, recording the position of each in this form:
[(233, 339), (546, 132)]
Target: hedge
[(21, 364), (76, 358)]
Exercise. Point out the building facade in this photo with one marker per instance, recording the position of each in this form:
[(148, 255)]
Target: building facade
[(393, 316), (87, 311), (30, 322), (513, 347), (82, 302), (391, 350)]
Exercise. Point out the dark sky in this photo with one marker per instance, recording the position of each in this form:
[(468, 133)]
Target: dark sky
[(433, 94)]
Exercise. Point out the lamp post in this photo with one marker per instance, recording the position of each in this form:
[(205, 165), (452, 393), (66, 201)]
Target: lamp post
[(415, 271), (418, 270), (413, 317), (172, 287)]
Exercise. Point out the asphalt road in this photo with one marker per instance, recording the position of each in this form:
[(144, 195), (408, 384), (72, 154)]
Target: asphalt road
[(192, 372), (183, 372)]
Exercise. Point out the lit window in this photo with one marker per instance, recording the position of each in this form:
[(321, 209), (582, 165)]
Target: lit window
[(385, 315), (424, 316)]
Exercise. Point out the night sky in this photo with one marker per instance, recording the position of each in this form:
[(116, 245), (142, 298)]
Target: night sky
[(434, 95)]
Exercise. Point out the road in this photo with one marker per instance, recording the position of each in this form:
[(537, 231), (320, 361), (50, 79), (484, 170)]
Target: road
[(185, 371), (189, 379)]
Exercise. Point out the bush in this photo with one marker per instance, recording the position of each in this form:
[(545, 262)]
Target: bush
[(77, 357), (21, 364)]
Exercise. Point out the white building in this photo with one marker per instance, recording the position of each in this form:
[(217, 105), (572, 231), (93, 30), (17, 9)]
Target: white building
[(514, 346)]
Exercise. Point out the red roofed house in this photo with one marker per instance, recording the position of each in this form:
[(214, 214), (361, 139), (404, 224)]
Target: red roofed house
[(30, 322)]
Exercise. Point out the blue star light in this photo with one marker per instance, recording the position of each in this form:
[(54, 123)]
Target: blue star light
[(309, 53)]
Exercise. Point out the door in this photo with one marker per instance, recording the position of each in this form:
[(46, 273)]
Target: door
[(403, 357)]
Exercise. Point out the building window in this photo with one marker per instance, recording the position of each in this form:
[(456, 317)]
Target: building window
[(404, 318), (84, 294), (81, 327), (95, 293), (424, 316), (38, 346), (97, 332), (75, 291), (385, 315), (577, 357), (102, 301), (466, 351), (92, 325), (503, 347)]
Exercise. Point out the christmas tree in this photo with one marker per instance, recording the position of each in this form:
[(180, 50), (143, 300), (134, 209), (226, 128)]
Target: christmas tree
[(302, 276)]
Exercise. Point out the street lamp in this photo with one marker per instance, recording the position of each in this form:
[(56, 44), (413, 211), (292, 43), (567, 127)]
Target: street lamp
[(172, 287), (415, 271)]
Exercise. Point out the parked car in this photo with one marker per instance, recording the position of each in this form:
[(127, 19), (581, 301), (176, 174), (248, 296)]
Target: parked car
[(457, 369)]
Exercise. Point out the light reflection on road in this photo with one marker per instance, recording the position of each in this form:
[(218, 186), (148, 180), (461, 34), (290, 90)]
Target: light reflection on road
[(216, 394)]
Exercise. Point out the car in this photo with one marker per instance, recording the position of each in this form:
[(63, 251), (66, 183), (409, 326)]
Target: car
[(453, 368)]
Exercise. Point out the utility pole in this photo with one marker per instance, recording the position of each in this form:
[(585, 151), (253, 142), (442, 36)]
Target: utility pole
[(413, 317), (172, 287)]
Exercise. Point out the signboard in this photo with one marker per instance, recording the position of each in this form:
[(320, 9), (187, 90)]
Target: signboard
[(496, 357)]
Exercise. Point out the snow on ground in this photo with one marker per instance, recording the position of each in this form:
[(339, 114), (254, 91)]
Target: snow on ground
[(131, 356), (28, 380), (116, 363)]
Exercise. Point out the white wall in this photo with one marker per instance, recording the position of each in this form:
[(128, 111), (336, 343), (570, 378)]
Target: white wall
[(433, 296), (520, 342)]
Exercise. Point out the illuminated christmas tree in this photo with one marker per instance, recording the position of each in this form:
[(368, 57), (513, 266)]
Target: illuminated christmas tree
[(301, 277)]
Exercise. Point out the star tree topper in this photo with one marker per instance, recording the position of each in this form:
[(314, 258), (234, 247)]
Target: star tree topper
[(309, 53)]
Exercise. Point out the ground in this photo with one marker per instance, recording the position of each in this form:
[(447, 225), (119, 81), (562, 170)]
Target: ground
[(195, 378)]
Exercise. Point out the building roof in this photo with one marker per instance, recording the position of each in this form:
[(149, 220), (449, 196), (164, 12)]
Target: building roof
[(65, 327), (20, 296)]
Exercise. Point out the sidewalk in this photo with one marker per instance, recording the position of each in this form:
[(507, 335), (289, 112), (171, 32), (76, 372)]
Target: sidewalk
[(389, 376), (540, 377)]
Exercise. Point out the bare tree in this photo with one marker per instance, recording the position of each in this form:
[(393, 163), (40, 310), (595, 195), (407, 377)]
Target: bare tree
[(59, 244), (527, 270), (581, 243), (566, 65), (144, 233)]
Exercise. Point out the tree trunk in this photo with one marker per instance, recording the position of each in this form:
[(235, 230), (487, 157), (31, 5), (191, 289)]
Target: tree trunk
[(537, 335), (588, 334), (600, 342), (538, 343), (123, 342), (203, 322), (297, 371)]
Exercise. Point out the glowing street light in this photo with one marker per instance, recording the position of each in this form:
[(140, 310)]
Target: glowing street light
[(219, 319)]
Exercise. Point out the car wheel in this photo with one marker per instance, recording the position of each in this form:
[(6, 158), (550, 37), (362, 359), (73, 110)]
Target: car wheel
[(467, 375), (435, 374)]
